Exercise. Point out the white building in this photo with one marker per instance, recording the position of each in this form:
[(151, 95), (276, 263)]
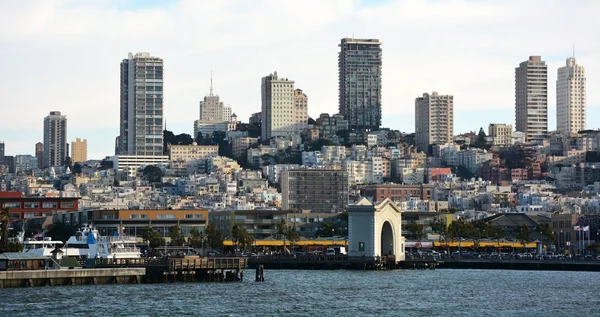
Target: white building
[(278, 113), (531, 99), (501, 134), (434, 120), (130, 164), (570, 98), (185, 153)]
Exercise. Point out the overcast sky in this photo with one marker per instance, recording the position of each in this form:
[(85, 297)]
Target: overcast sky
[(64, 55)]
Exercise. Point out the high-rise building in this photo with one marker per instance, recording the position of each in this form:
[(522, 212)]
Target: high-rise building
[(79, 150), (277, 113), (501, 133), (141, 131), (211, 108), (39, 154), (300, 110), (359, 63), (2, 153), (571, 98), (227, 112), (55, 139), (434, 120), (314, 190), (531, 99)]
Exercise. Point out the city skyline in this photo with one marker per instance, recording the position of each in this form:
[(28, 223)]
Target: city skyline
[(476, 72)]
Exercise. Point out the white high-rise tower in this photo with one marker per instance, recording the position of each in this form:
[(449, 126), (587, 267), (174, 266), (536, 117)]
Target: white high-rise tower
[(570, 98)]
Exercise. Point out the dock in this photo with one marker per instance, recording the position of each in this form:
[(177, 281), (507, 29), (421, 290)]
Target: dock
[(329, 262), (31, 278)]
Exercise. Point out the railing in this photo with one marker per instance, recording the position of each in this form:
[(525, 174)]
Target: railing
[(125, 250), (117, 238)]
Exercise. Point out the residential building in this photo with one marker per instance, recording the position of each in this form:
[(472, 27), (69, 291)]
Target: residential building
[(130, 164), (278, 108), (79, 150), (571, 98), (314, 190), (39, 154), (2, 152), (21, 207), (434, 120), (55, 139), (239, 145), (260, 223), (300, 112), (141, 130), (330, 125), (186, 153), (501, 133), (24, 163), (359, 72), (397, 192), (531, 99)]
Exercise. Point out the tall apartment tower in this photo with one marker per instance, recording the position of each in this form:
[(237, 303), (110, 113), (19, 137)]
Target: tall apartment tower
[(277, 113), (39, 154), (531, 99), (300, 110), (55, 139), (434, 120), (314, 190), (2, 153), (79, 150), (570, 98), (359, 63), (141, 105)]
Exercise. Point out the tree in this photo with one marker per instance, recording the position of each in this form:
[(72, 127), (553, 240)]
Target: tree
[(214, 237), (152, 237), (241, 237), (152, 174), (460, 229), (523, 234), (326, 229), (287, 232), (417, 230), (176, 236), (68, 162), (61, 231), (196, 239), (76, 168), (545, 231), (4, 216), (497, 233), (439, 226)]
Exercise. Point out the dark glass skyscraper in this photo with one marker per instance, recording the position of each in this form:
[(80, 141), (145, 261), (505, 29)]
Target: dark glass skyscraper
[(360, 83)]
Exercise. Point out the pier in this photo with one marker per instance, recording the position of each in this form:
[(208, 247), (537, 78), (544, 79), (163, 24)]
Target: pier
[(31, 278), (336, 262)]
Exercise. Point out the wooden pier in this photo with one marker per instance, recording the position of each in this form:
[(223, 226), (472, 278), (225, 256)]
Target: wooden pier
[(31, 278)]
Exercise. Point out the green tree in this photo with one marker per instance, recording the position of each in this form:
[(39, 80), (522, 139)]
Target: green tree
[(461, 229), (4, 218), (152, 237), (241, 237), (416, 230), (523, 234), (183, 139), (68, 162), (326, 229), (76, 168), (176, 236), (61, 231), (152, 174), (214, 237), (545, 231), (498, 233), (196, 239), (288, 233), (439, 226)]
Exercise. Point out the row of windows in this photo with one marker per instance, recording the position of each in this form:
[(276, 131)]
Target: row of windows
[(30, 205)]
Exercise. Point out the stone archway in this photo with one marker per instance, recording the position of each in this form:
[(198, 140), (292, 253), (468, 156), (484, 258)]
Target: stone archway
[(387, 239)]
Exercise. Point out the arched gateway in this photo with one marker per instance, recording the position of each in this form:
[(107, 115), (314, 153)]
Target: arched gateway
[(375, 229)]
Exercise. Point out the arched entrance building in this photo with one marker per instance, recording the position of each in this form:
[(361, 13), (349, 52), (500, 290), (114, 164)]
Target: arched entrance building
[(375, 229)]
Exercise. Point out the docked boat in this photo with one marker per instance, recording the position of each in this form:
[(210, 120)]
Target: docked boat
[(87, 243), (42, 247)]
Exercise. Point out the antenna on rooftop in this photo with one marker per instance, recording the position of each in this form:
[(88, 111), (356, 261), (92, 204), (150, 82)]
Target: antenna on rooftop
[(211, 89), (573, 50)]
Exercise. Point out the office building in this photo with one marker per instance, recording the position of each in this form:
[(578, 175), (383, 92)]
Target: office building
[(141, 130), (531, 99), (277, 115), (39, 154), (21, 207), (571, 98), (314, 190), (359, 72), (2, 152), (434, 120), (55, 139), (502, 134), (79, 150)]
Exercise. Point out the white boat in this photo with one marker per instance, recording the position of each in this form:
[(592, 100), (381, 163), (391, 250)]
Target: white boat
[(42, 247), (87, 243)]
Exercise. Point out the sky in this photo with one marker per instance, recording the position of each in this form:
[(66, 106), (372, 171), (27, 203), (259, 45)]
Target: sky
[(64, 55)]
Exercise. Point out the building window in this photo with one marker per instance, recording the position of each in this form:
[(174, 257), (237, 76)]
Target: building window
[(67, 205), (29, 215), (143, 216), (134, 216), (49, 205), (199, 216), (108, 217), (170, 216), (12, 205), (187, 216), (31, 205), (161, 216)]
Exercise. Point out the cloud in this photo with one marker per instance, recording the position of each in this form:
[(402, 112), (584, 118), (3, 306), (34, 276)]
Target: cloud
[(65, 55)]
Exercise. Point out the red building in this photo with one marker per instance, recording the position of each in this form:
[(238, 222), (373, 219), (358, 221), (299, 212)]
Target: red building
[(397, 192), (29, 207)]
